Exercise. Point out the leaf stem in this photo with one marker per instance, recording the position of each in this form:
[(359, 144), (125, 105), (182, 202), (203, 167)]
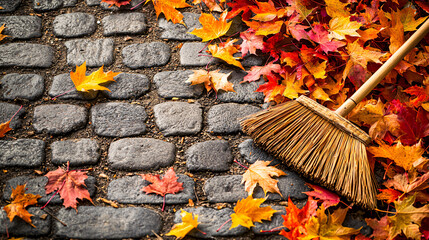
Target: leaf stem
[(63, 93), (136, 5), (15, 113), (163, 203), (201, 231), (229, 220), (276, 229), (235, 160), (64, 182)]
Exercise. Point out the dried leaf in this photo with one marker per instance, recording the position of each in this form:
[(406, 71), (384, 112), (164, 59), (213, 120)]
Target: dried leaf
[(212, 80), (296, 218), (388, 195), (2, 36), (328, 198), (260, 173), (256, 72), (251, 42), (248, 210), (380, 228), (340, 27), (168, 8), (212, 28), (117, 3), (189, 222), (21, 200), (402, 183), (225, 51), (168, 184), (85, 83)]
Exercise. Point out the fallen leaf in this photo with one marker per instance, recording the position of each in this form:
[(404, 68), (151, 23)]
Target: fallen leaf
[(212, 28), (328, 198), (85, 83), (248, 210), (380, 227), (340, 27), (260, 173), (256, 72), (388, 195), (251, 42), (4, 127), (168, 8), (189, 222), (336, 8), (2, 36), (211, 4), (320, 35), (367, 112), (402, 183), (296, 218), (266, 11), (225, 51), (117, 3), (361, 56), (21, 200), (293, 86), (212, 80), (265, 28)]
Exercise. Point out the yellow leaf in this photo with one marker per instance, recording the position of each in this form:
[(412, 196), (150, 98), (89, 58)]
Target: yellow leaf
[(212, 80), (265, 28), (212, 28), (335, 8), (189, 222), (407, 18), (260, 173), (318, 70), (85, 83), (293, 86), (319, 93), (361, 56), (339, 27), (248, 211), (225, 52), (168, 7), (367, 112), (2, 36)]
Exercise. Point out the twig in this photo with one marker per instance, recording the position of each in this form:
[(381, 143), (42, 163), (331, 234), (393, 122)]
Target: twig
[(157, 236), (53, 216)]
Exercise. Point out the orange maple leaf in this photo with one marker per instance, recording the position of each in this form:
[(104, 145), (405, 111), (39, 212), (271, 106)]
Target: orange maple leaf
[(361, 56), (4, 127), (21, 200), (212, 28), (225, 51), (212, 80), (248, 210), (260, 173), (85, 83), (2, 36), (265, 28), (117, 3), (296, 218), (367, 112), (388, 195), (168, 8), (266, 11), (211, 4), (335, 8), (340, 27)]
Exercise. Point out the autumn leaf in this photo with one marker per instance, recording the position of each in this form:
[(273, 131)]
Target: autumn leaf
[(380, 227), (212, 80), (265, 28), (21, 200), (85, 83), (225, 51), (117, 3), (419, 95), (402, 183), (328, 198), (260, 173), (367, 112), (248, 210), (2, 36), (70, 184), (388, 195), (256, 72), (296, 218), (189, 222), (266, 11), (336, 8), (407, 17), (361, 56), (212, 28), (168, 8), (211, 4), (293, 86), (320, 35), (340, 27), (167, 185), (251, 42), (300, 8), (4, 127)]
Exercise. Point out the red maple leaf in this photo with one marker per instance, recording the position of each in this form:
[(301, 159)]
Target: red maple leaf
[(70, 184), (256, 71), (328, 198), (251, 42), (168, 184), (240, 6), (320, 35), (117, 3)]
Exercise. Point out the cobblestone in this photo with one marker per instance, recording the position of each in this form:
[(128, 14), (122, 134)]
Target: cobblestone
[(251, 153), (173, 84), (19, 228), (22, 27), (92, 2), (212, 155), (75, 24), (244, 92), (116, 119), (189, 55), (180, 32), (223, 118), (128, 190), (140, 154), (128, 85), (9, 5), (146, 55), (47, 5), (77, 152), (7, 110), (96, 53), (178, 118), (62, 83), (26, 55), (91, 222), (275, 223), (59, 118), (125, 23), (22, 86), (225, 189), (22, 153), (133, 3)]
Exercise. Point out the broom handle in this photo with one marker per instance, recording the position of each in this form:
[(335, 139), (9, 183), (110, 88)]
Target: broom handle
[(379, 75)]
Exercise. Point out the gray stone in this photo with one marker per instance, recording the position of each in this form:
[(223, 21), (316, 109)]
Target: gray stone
[(37, 186), (223, 118), (251, 60), (128, 85), (22, 27), (47, 5), (132, 4), (93, 2), (59, 118), (91, 222), (179, 31), (22, 153), (19, 228), (276, 222), (77, 152), (7, 110), (146, 55), (210, 220), (62, 83), (173, 84), (116, 119), (244, 92), (74, 25), (140, 154), (22, 86), (96, 53), (357, 220), (26, 55), (128, 190), (189, 55), (221, 189), (290, 185), (125, 23), (252, 153), (212, 155), (178, 118), (9, 5)]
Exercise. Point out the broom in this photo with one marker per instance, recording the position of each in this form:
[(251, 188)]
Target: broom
[(321, 144)]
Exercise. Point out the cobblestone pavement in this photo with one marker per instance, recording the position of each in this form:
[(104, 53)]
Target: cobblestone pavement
[(150, 121)]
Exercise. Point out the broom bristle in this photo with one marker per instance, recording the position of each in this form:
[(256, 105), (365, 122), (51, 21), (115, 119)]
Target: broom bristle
[(316, 147)]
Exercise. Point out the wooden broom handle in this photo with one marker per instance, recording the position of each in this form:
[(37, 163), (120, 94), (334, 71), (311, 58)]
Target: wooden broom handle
[(379, 75)]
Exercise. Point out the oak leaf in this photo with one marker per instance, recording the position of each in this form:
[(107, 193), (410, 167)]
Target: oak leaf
[(225, 51), (117, 3), (189, 222), (212, 28), (260, 173), (70, 184), (328, 198), (4, 127), (296, 218), (21, 200), (92, 82), (340, 27), (168, 8), (248, 210), (2, 36), (212, 80)]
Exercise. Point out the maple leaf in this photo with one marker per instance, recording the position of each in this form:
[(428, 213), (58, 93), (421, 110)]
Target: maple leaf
[(212, 28), (2, 36), (70, 184), (320, 35), (266, 11), (402, 183), (260, 173), (225, 51), (239, 6), (328, 198), (421, 95), (248, 210), (117, 3), (296, 218), (367, 112), (293, 86), (265, 28), (251, 42), (211, 4), (361, 56), (168, 8), (168, 184), (85, 83), (256, 72), (300, 8), (189, 222), (406, 16), (380, 227), (21, 200), (388, 195), (212, 80), (335, 8), (4, 127), (339, 27)]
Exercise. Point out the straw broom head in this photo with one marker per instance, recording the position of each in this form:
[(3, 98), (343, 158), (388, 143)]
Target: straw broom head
[(319, 144)]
